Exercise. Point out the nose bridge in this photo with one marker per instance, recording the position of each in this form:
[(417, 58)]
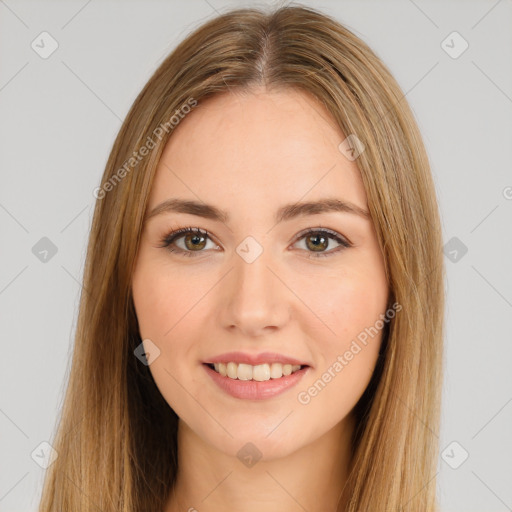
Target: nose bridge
[(257, 298)]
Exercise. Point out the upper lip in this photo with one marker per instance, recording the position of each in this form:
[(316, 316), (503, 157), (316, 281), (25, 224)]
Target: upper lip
[(255, 359)]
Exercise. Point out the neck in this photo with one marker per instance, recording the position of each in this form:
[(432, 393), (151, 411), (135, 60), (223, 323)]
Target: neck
[(310, 478)]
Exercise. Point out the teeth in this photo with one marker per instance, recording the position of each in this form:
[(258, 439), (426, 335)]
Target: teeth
[(260, 372), (231, 370), (244, 372), (276, 370)]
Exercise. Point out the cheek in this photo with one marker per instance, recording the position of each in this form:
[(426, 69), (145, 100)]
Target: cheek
[(346, 329), (344, 302), (347, 352), (355, 309), (163, 300)]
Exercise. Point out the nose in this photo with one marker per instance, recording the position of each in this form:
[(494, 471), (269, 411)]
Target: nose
[(256, 300)]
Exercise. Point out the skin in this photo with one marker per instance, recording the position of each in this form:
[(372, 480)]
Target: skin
[(250, 153)]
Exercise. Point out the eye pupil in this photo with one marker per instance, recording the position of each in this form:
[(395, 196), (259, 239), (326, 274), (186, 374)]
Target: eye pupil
[(316, 244), (195, 237)]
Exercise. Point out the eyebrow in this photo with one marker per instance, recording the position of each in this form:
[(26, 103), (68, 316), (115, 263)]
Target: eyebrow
[(286, 212)]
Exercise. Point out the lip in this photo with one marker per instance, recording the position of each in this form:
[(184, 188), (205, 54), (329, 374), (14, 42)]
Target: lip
[(255, 359), (255, 390)]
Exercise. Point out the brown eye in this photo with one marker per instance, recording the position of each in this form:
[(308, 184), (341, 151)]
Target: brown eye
[(194, 240), (318, 240)]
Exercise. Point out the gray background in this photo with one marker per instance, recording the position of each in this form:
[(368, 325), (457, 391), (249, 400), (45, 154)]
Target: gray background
[(58, 120)]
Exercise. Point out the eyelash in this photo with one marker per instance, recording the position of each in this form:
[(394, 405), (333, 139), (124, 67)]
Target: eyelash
[(171, 237)]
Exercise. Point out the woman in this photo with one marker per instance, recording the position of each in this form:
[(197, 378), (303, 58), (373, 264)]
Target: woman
[(263, 321)]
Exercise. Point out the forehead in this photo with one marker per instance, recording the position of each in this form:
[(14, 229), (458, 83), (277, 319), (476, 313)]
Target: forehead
[(256, 148)]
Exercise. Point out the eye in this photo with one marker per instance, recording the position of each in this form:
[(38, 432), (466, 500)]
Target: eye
[(317, 240), (195, 239)]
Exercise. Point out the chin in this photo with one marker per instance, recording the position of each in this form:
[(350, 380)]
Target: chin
[(255, 445)]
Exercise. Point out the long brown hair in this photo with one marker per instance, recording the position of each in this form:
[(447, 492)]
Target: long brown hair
[(116, 437)]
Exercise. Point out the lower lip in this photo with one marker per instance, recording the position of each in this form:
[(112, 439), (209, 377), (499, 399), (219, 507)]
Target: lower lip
[(255, 390)]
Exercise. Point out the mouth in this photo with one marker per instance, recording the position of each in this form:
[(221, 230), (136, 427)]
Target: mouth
[(259, 373), (263, 381)]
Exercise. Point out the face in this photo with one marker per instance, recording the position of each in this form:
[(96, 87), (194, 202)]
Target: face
[(253, 283)]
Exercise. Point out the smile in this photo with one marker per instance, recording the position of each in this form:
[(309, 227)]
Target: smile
[(249, 387), (260, 372)]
